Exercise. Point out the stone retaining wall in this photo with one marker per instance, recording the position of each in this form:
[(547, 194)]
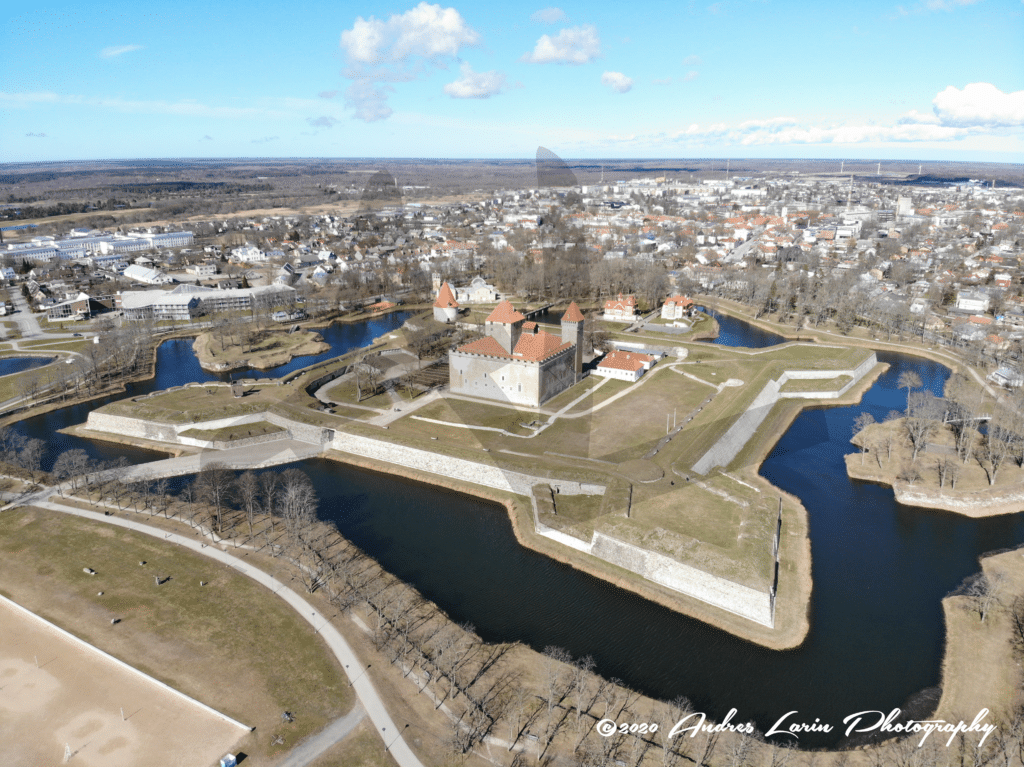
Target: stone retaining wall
[(741, 600), (729, 444), (455, 468), (758, 606)]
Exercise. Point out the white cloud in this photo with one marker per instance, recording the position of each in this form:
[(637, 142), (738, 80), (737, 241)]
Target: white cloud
[(913, 116), (265, 139), (572, 45), (617, 81), (476, 85), (35, 135), (692, 61), (981, 105), (327, 94), (324, 121), (429, 31), (693, 74), (397, 50), (117, 50), (662, 81), (552, 15)]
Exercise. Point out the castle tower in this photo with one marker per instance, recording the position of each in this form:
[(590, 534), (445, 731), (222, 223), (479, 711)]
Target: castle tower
[(572, 333), (446, 308), (505, 325)]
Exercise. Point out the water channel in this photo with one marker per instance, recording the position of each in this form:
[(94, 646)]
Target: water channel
[(11, 365), (880, 570)]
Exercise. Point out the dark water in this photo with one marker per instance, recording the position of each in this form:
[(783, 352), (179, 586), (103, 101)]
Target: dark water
[(734, 332), (9, 365), (880, 571), (176, 364)]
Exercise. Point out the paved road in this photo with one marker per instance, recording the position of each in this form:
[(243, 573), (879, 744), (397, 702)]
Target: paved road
[(354, 667), (315, 745)]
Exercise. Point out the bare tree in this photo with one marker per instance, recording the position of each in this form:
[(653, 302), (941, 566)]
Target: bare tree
[(860, 423), (248, 489), (214, 484), (981, 592), (997, 446), (923, 413)]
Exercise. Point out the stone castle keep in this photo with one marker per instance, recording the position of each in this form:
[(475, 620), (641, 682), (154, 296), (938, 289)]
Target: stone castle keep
[(516, 361)]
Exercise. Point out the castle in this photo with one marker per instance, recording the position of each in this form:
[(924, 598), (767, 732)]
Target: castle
[(516, 362)]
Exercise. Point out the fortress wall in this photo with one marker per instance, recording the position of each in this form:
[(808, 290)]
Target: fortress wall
[(303, 432), (456, 468), (729, 444), (734, 597)]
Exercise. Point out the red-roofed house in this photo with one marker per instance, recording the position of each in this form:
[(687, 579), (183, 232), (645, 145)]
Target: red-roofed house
[(622, 309), (676, 308), (516, 361), (626, 366)]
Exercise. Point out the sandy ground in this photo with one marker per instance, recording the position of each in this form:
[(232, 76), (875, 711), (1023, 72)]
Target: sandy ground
[(74, 698)]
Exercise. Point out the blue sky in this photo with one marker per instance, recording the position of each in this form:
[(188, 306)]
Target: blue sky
[(928, 79)]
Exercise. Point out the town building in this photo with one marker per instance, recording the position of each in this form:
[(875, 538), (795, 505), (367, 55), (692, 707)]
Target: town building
[(478, 292), (625, 366), (677, 307), (518, 363), (186, 301), (621, 309)]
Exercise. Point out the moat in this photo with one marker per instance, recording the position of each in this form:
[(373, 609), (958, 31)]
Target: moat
[(880, 569)]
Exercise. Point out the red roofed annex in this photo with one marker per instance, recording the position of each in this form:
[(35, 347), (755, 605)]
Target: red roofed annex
[(516, 361)]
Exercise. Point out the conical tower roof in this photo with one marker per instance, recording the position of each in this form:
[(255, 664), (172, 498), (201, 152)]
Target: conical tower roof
[(572, 314), (445, 298)]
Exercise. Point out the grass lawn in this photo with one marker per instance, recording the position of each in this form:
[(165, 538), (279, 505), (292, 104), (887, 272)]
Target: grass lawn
[(56, 345), (231, 644), (199, 403), (234, 432), (345, 392), (479, 414), (612, 387)]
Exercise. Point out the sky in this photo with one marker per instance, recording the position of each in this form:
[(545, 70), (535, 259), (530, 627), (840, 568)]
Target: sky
[(876, 79)]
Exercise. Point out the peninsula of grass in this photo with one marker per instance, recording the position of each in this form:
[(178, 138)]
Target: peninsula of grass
[(886, 457), (230, 644), (272, 349)]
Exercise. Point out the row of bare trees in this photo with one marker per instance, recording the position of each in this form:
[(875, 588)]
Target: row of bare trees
[(544, 711)]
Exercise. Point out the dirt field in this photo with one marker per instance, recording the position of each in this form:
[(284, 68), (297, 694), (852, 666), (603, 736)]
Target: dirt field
[(75, 698)]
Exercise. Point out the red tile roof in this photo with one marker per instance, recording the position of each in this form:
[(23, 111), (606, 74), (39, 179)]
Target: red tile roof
[(572, 314), (620, 360), (445, 298), (505, 313), (539, 347), (530, 347), (682, 300), (624, 303), (485, 345)]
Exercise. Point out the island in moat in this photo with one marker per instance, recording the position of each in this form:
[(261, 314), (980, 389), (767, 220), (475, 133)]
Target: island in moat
[(638, 465)]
